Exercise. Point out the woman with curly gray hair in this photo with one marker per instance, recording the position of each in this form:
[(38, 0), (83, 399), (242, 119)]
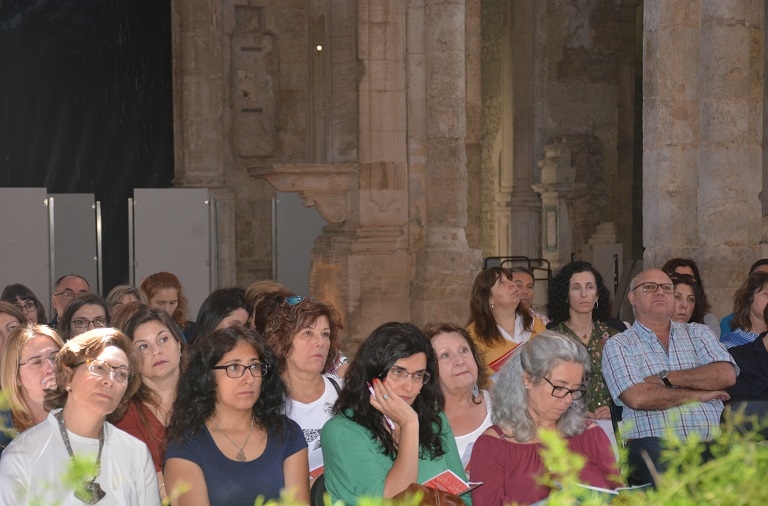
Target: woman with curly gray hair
[(541, 387)]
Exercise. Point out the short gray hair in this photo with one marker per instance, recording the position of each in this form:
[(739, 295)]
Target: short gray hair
[(538, 357)]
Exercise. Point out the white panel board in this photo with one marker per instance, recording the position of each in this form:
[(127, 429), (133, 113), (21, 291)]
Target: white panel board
[(24, 241), (74, 236), (296, 229), (172, 232)]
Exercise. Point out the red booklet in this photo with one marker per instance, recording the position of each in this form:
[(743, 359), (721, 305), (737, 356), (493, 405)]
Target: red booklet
[(450, 482)]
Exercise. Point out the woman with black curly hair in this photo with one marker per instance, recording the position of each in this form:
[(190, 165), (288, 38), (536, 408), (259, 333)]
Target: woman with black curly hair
[(227, 435), (389, 429), (579, 305)]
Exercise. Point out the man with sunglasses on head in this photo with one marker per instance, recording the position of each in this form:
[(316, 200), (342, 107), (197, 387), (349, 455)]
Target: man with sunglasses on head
[(65, 290), (667, 375)]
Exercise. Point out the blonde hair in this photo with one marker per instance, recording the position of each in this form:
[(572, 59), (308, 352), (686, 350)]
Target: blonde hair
[(9, 370)]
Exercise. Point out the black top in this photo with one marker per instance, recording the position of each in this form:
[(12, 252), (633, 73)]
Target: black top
[(752, 382)]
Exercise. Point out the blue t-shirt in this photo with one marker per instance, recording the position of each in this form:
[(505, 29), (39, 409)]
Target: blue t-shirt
[(240, 483)]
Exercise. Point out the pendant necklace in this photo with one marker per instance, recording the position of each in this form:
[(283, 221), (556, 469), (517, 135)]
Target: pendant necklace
[(89, 492), (584, 336), (240, 457)]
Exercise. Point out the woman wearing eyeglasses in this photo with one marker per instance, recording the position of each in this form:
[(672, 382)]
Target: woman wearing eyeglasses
[(28, 368), (541, 387), (305, 337), (86, 311), (228, 441), (95, 380), (26, 301), (389, 429), (159, 342)]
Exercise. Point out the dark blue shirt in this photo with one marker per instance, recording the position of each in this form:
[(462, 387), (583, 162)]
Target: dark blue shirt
[(239, 483)]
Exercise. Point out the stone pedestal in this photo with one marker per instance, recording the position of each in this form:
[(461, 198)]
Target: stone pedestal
[(557, 189)]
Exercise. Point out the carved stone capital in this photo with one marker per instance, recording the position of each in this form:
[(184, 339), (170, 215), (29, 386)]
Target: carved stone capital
[(326, 186)]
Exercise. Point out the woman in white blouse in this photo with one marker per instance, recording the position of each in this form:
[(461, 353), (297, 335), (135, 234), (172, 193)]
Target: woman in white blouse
[(462, 378)]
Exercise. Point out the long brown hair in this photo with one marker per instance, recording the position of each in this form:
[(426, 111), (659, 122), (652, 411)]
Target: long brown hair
[(743, 298), (480, 309)]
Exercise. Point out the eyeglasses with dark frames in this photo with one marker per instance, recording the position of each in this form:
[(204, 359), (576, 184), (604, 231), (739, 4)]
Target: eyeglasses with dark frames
[(27, 306), (399, 374), (651, 287), (560, 392), (81, 323), (257, 369)]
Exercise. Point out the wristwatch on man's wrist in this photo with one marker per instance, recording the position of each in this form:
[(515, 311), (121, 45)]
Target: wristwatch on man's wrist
[(664, 376)]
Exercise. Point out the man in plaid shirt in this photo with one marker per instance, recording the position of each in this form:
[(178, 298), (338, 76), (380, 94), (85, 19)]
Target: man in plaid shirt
[(667, 375)]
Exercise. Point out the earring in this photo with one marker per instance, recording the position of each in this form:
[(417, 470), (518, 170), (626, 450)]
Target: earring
[(492, 306), (475, 391), (596, 304), (68, 389)]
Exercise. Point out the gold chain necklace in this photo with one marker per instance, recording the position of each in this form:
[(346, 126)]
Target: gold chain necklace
[(584, 336), (240, 457)]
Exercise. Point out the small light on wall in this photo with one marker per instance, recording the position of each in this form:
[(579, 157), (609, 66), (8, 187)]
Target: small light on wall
[(319, 47)]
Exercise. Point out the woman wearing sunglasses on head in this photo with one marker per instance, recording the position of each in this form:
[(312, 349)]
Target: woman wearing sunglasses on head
[(389, 429), (228, 441), (95, 378), (306, 338), (541, 387)]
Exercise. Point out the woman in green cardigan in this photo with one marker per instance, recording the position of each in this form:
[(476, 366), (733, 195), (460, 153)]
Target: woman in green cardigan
[(389, 429)]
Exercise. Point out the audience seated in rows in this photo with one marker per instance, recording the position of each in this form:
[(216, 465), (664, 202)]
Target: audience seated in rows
[(27, 370), (463, 382), (164, 293), (389, 429), (667, 375), (95, 378), (86, 311), (526, 283), (579, 305), (124, 294), (748, 304), (689, 301), (27, 302), (752, 359), (498, 323), (10, 318), (228, 440), (306, 338), (759, 266), (689, 267), (540, 387), (161, 349), (223, 308), (65, 290)]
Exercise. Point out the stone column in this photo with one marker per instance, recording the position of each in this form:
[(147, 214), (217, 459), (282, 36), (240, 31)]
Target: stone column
[(518, 155), (198, 101), (445, 267), (702, 128)]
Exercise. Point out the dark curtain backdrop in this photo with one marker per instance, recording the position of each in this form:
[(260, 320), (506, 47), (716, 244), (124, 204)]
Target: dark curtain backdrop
[(86, 105)]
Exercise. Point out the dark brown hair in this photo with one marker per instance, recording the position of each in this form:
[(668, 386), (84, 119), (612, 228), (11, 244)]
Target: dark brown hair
[(287, 321), (480, 310)]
